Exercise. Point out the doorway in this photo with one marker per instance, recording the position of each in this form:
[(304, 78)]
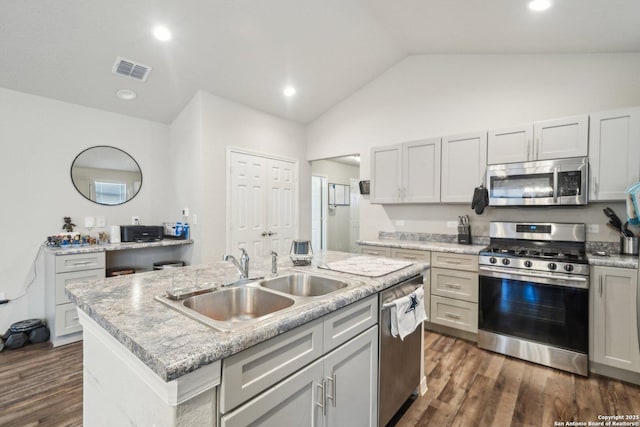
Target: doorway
[(335, 194)]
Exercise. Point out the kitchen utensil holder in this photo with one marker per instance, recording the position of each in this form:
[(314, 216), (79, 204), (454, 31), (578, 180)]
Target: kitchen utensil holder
[(629, 245), (464, 234)]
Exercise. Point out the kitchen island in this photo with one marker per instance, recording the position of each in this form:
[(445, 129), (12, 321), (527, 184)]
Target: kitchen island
[(146, 363)]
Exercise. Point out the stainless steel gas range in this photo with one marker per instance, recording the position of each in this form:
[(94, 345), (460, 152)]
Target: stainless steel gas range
[(534, 294)]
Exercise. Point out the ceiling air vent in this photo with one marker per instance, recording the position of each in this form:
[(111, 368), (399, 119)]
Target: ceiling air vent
[(128, 68)]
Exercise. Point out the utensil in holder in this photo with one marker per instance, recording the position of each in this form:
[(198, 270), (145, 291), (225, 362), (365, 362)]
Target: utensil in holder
[(629, 245), (464, 234), (301, 252)]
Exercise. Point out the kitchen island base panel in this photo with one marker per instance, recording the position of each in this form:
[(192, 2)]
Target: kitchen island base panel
[(447, 330), (121, 390), (611, 372)]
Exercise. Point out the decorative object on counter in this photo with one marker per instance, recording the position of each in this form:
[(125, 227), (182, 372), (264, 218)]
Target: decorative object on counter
[(103, 237), (68, 225), (480, 199), (115, 234), (106, 175), (176, 230), (464, 230), (25, 332), (301, 252), (77, 239)]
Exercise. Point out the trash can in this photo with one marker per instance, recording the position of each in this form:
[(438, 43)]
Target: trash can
[(167, 264)]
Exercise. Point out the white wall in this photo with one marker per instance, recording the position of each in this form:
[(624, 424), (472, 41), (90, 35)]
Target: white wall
[(223, 123), (432, 95), (338, 218), (40, 138)]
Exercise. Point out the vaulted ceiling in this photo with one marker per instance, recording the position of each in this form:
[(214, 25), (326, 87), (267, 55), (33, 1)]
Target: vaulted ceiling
[(249, 50)]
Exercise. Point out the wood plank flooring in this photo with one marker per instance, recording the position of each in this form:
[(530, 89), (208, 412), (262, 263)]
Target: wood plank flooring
[(42, 386)]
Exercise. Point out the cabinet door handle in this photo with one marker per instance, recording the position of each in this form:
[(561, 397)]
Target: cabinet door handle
[(600, 286), (321, 401), (272, 233), (452, 315), (332, 396), (537, 148), (82, 263), (453, 262), (453, 286), (408, 257), (528, 149), (264, 234)]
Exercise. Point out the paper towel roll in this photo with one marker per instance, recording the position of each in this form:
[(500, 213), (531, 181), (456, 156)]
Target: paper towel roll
[(114, 236)]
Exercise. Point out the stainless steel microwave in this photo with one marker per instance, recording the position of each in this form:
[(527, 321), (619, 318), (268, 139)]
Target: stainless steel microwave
[(560, 182)]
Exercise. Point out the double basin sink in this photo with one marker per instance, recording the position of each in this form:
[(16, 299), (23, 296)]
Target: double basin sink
[(239, 305)]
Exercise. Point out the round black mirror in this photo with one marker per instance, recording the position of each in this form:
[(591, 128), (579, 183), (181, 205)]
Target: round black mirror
[(106, 175)]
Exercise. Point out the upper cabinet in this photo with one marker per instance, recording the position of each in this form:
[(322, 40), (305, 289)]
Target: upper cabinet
[(406, 173), (544, 140), (464, 160), (614, 153)]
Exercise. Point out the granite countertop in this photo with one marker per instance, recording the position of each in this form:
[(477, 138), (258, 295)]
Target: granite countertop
[(426, 245), (72, 250), (172, 344), (613, 260)]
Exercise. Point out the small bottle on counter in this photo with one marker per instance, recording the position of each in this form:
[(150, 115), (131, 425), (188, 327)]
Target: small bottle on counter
[(186, 230), (179, 229)]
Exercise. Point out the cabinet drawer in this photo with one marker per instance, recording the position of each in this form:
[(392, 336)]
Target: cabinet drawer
[(257, 368), (462, 285), (454, 313), (456, 261), (344, 324), (67, 319), (411, 254), (66, 263), (64, 279), (375, 250)]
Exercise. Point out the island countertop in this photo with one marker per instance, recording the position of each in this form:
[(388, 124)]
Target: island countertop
[(172, 344)]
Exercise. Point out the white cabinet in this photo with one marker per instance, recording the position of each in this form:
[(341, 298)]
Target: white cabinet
[(406, 173), (375, 250), (614, 152), (61, 314), (454, 290), (614, 320), (543, 140), (322, 373), (464, 160)]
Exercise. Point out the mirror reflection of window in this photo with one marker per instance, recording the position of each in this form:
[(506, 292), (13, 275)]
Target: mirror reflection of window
[(106, 175)]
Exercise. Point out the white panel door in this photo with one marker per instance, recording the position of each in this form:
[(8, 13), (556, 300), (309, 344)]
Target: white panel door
[(464, 161), (421, 171), (248, 202), (263, 204), (561, 138), (281, 205), (614, 153), (510, 145)]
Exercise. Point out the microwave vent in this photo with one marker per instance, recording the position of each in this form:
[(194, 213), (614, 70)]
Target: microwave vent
[(127, 68)]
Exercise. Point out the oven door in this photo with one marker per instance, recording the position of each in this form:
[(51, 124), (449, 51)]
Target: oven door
[(543, 309)]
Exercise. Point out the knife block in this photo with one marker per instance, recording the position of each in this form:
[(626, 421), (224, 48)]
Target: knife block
[(464, 234)]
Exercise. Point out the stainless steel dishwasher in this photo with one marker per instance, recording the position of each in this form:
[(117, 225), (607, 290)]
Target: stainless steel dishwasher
[(399, 369)]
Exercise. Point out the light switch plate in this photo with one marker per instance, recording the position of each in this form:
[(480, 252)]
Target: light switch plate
[(89, 222), (101, 221)]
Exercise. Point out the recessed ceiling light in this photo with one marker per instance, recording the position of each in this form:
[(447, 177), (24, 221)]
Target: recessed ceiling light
[(126, 94), (539, 5), (289, 91), (162, 33)]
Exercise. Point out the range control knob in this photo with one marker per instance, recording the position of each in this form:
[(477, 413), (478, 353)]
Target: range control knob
[(568, 267), (506, 261), (552, 266), (493, 260), (528, 264)]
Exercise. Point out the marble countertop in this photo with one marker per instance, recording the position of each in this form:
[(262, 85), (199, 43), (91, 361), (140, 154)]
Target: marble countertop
[(426, 246), (72, 250), (610, 260), (172, 344)]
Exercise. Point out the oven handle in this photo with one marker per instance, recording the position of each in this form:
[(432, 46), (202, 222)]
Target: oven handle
[(569, 282)]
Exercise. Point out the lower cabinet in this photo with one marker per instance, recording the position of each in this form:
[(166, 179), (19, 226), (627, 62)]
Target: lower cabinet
[(339, 389), (614, 325), (422, 256), (375, 250)]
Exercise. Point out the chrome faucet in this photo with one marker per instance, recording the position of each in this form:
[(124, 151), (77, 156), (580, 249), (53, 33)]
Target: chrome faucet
[(274, 263), (242, 266)]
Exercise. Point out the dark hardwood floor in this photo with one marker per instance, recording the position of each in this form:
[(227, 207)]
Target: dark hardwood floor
[(42, 386)]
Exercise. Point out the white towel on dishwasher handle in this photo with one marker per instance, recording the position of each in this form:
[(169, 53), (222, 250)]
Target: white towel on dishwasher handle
[(407, 313)]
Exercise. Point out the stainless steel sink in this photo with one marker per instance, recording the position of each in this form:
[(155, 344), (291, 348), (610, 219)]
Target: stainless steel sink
[(237, 305), (303, 285)]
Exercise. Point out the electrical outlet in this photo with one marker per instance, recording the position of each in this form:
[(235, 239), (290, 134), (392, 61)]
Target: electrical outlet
[(89, 222), (101, 221), (135, 220), (593, 228), (194, 219), (185, 212), (452, 224), (3, 296)]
